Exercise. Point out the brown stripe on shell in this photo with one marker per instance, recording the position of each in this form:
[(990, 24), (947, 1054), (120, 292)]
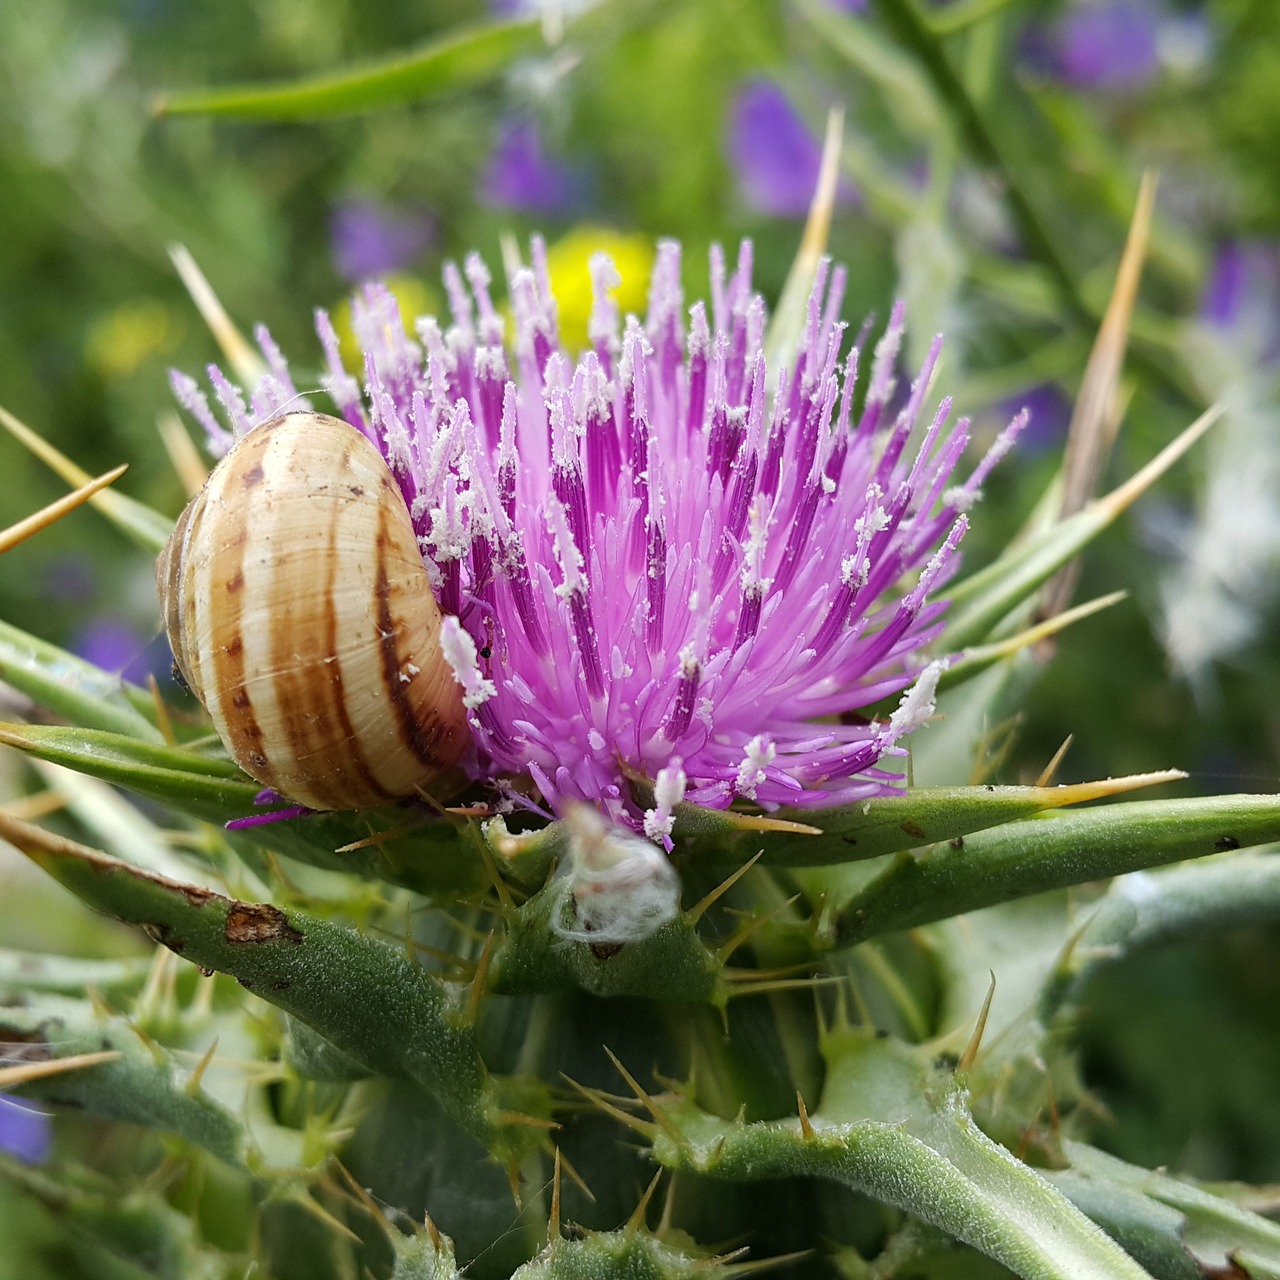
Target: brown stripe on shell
[(424, 733), (240, 726), (327, 763)]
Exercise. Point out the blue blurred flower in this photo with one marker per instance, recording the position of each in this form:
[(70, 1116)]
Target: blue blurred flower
[(522, 176), (1242, 295), (109, 642), (1049, 414), (1109, 44), (371, 239), (24, 1132), (773, 152)]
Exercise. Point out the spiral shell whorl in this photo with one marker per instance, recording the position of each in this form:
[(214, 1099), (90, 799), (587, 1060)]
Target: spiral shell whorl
[(301, 615)]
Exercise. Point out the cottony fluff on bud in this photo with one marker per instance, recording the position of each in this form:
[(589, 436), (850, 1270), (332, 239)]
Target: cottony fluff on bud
[(622, 887), (654, 562)]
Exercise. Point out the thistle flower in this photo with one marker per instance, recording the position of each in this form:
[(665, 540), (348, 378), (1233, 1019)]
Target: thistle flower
[(654, 564)]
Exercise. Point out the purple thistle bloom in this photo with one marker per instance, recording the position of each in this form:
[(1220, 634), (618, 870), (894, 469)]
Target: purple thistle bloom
[(774, 154), (654, 563), (372, 239), (24, 1132)]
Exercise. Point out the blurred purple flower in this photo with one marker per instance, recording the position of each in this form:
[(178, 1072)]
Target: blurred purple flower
[(774, 154), (1108, 44), (371, 239), (24, 1132), (1048, 416), (649, 564), (1242, 293), (522, 176), (109, 642)]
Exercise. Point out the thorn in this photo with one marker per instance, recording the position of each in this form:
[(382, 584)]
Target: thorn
[(638, 1215), (600, 1100), (806, 1129), (163, 723), (525, 1120), (513, 1181), (247, 365), (24, 1072), (664, 1121), (495, 878), (183, 454), (378, 838), (42, 519), (575, 1177), (317, 1210), (753, 926), (361, 1194), (193, 1081), (476, 992), (553, 1222), (696, 912), (668, 1209), (750, 987), (432, 1230), (1047, 774), (971, 1049), (761, 1264)]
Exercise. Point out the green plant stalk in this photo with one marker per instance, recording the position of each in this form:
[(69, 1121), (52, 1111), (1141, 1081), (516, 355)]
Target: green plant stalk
[(1051, 852)]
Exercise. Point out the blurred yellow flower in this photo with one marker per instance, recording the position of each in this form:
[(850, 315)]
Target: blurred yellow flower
[(567, 263), (126, 338)]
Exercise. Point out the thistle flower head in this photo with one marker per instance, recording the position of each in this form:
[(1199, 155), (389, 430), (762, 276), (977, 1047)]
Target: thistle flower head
[(664, 560)]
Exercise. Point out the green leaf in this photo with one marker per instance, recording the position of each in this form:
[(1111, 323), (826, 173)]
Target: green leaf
[(365, 997), (140, 1087), (981, 602), (1212, 1230), (896, 1128), (1051, 852), (884, 824), (70, 687), (459, 60), (429, 855), (608, 1255), (1150, 909)]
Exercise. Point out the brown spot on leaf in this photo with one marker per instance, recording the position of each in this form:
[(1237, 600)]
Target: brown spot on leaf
[(165, 936), (257, 922), (1224, 844), (913, 828)]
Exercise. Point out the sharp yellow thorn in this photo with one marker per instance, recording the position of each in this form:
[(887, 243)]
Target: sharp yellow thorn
[(54, 512), (668, 1209), (664, 1121), (806, 1129), (432, 1230), (523, 1119), (495, 878), (641, 1212), (553, 1222), (197, 1076), (1047, 774), (753, 926), (970, 1054), (376, 838), (163, 723), (513, 1181), (247, 365), (358, 1193), (318, 1210), (600, 1100), (695, 913), (476, 992), (25, 1072), (575, 1177), (183, 454)]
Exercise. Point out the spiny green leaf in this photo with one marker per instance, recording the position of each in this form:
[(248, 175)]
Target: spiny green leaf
[(886, 824), (429, 855), (1213, 1231), (70, 687), (1052, 852), (459, 60), (148, 528), (365, 997), (607, 1255), (981, 602), (892, 1126), (140, 1087), (1149, 909)]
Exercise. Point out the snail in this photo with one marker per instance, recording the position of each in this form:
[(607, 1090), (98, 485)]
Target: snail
[(300, 613)]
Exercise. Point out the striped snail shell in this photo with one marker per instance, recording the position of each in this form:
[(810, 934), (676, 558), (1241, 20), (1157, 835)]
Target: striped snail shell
[(301, 615)]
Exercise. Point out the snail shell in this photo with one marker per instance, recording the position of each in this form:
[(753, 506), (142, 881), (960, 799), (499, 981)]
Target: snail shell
[(301, 615)]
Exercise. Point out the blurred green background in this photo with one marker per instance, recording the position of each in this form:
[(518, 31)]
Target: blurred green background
[(992, 154)]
